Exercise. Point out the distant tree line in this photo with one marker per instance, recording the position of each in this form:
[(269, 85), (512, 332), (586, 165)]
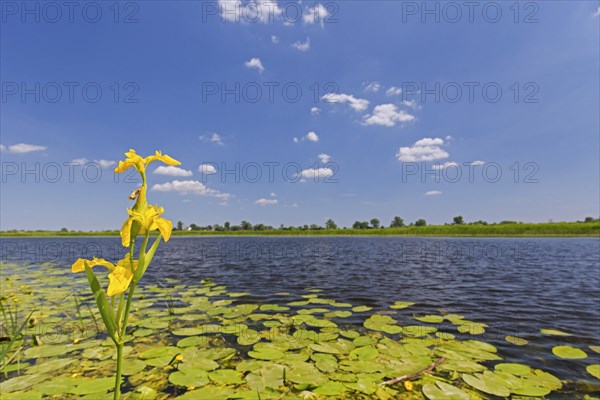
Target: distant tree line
[(374, 223)]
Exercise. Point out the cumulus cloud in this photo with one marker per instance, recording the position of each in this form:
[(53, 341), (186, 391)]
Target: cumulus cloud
[(426, 149), (477, 163), (393, 91), (80, 161), (273, 194), (324, 158), (449, 164), (2, 148), (193, 187), (302, 46), (315, 111), (387, 115), (410, 103), (433, 193), (105, 163), (274, 39), (310, 136), (597, 13), (315, 15), (373, 87), (266, 202), (255, 63), (212, 138), (207, 169), (316, 173), (22, 148), (170, 170), (357, 105)]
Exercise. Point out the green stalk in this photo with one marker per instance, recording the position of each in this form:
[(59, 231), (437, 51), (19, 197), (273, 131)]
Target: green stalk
[(117, 395)]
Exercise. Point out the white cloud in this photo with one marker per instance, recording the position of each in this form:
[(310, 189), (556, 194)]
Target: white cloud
[(265, 202), (273, 194), (302, 46), (477, 163), (212, 138), (22, 148), (373, 87), (387, 115), (2, 148), (255, 63), (207, 169), (449, 164), (315, 111), (193, 187), (295, 205), (426, 149), (310, 136), (105, 163), (316, 173), (358, 105), (170, 170), (433, 193), (597, 13), (274, 39), (80, 161), (449, 137), (410, 103), (324, 158), (315, 15), (393, 91)]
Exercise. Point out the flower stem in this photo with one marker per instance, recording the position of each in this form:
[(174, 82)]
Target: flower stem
[(119, 366)]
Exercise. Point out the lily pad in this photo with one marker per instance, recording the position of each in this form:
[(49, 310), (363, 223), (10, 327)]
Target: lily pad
[(443, 391), (568, 352), (594, 370)]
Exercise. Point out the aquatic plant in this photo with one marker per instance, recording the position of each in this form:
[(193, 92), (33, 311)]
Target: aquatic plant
[(127, 272)]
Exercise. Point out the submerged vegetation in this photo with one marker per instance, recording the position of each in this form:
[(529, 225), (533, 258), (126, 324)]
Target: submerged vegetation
[(199, 341)]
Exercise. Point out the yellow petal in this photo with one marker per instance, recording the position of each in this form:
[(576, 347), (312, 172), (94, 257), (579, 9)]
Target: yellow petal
[(79, 265), (122, 167), (119, 280), (132, 160), (160, 157), (165, 227), (126, 232), (126, 263)]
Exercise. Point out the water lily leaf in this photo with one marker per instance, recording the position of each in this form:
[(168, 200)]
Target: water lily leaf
[(188, 332), (132, 367), (554, 332), (338, 314), (226, 377), (266, 354), (512, 368), (375, 322), (366, 367), (268, 376), (363, 341), (30, 395), (326, 348), (143, 393), (568, 352), (192, 377), (471, 329), (305, 373), (483, 383), (595, 349), (430, 319), (198, 363), (49, 351), (208, 392), (92, 386), (391, 329), (143, 332), (361, 308), (273, 307), (161, 351), (331, 389), (22, 382), (363, 384), (594, 370), (366, 353), (50, 366), (443, 391), (191, 341), (401, 304), (516, 340)]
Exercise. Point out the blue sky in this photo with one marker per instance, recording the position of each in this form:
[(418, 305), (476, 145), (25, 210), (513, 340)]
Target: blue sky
[(391, 101)]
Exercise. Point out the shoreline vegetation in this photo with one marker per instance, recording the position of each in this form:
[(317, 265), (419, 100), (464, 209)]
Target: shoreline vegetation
[(550, 229)]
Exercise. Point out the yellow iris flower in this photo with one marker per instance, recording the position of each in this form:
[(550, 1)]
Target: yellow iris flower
[(140, 164), (143, 218), (120, 275), (149, 220)]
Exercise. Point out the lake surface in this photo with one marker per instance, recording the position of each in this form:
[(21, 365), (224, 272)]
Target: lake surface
[(516, 286)]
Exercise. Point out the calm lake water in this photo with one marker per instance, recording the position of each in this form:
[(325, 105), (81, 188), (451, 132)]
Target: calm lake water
[(516, 286)]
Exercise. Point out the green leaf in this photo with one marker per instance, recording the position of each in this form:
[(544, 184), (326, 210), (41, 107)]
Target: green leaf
[(105, 310), (145, 260), (226, 377), (594, 370), (554, 332), (331, 389), (568, 352), (443, 391), (516, 340)]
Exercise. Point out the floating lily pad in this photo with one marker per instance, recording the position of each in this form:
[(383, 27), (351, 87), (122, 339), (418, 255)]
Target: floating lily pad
[(512, 368), (554, 332), (401, 304), (361, 308), (266, 354), (568, 352), (594, 370), (430, 319), (331, 389), (443, 391), (193, 377), (516, 340), (93, 386), (226, 377)]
